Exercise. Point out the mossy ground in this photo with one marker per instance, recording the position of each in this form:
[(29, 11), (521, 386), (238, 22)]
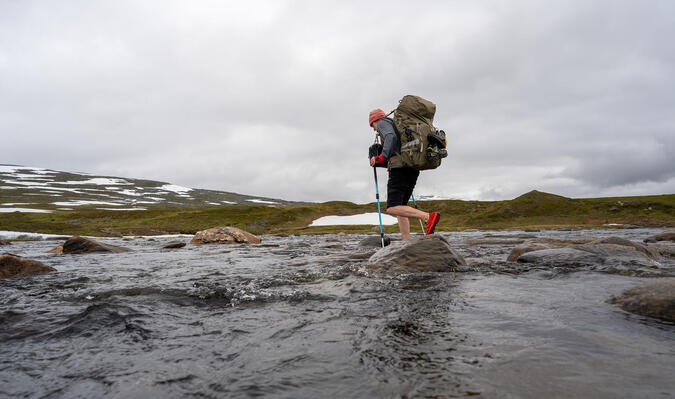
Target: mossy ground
[(532, 210)]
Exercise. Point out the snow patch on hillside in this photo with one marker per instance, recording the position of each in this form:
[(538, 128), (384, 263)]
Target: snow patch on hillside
[(364, 218), (25, 210), (99, 181), (83, 202), (259, 201), (175, 189)]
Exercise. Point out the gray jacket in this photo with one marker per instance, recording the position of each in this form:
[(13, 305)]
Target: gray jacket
[(391, 145)]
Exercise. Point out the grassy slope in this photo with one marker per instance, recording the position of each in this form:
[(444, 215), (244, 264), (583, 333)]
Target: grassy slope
[(534, 209)]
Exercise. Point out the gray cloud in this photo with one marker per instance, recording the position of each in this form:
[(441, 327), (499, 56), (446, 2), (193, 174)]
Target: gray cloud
[(271, 98)]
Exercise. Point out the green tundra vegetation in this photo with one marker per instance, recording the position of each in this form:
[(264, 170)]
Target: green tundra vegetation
[(532, 210)]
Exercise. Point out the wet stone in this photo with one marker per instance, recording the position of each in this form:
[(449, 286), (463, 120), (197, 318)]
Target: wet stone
[(614, 247), (374, 241), (494, 241), (665, 236), (479, 263), (174, 245), (420, 254), (82, 245), (652, 299), (537, 244), (16, 266), (568, 257), (56, 250), (224, 235), (334, 246), (666, 250)]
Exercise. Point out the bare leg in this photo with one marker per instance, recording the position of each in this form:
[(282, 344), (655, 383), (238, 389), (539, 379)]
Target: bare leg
[(404, 226), (402, 213), (408, 211)]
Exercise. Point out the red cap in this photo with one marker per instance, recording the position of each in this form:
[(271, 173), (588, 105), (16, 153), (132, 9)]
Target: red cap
[(375, 115)]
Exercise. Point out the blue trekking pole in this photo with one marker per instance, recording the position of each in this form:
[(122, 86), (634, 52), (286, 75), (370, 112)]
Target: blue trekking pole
[(379, 212), (415, 205)]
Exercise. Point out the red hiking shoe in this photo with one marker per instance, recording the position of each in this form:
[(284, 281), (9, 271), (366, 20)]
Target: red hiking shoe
[(434, 217)]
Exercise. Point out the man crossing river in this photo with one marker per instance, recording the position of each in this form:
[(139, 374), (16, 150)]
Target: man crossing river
[(402, 179)]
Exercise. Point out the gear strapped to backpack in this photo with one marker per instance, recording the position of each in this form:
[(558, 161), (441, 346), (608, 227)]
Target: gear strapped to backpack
[(422, 145)]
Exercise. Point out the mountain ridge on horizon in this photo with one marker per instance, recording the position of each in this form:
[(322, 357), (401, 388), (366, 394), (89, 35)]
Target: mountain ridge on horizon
[(42, 188)]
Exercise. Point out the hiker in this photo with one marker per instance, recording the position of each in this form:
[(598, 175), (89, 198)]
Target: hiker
[(402, 179)]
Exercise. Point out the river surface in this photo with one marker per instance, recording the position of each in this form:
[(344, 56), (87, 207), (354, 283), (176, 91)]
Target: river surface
[(300, 317)]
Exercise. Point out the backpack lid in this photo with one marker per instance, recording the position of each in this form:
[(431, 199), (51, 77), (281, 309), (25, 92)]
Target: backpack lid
[(418, 108)]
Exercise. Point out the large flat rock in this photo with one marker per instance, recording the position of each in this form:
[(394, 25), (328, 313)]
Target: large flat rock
[(421, 254)]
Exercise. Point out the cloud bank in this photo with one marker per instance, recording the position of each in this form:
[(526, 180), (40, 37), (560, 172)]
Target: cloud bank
[(271, 98)]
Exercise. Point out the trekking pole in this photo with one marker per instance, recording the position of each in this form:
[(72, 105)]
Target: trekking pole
[(379, 212), (415, 205)]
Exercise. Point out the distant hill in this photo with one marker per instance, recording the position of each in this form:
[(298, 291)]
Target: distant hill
[(63, 203), (33, 189)]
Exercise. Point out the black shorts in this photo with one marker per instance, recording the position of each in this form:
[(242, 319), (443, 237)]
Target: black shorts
[(400, 186)]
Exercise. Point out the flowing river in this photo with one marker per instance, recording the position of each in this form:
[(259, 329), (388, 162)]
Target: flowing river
[(300, 317)]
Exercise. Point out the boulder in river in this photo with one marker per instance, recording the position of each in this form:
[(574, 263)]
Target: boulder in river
[(16, 266), (224, 235), (3, 242), (174, 244), (653, 299), (82, 245), (665, 236), (420, 254)]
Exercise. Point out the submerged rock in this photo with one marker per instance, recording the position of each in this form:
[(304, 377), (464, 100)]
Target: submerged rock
[(653, 299), (15, 266), (665, 250), (493, 241), (174, 244), (538, 244), (626, 244), (611, 255), (420, 254), (3, 242), (374, 241), (82, 245), (478, 263), (568, 257), (665, 236), (614, 248), (224, 235)]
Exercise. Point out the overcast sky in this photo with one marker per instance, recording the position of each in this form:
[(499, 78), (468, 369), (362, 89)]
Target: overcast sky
[(271, 98)]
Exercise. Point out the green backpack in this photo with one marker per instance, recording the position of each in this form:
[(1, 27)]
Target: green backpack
[(422, 145)]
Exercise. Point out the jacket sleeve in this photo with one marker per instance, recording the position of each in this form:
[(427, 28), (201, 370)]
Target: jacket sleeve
[(389, 139)]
